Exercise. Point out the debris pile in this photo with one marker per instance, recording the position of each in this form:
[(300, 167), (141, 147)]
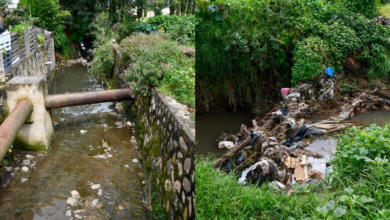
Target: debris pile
[(271, 150)]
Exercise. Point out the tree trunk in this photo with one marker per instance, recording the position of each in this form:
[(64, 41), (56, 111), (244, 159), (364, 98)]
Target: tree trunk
[(193, 7), (183, 7), (178, 8), (189, 7), (172, 8)]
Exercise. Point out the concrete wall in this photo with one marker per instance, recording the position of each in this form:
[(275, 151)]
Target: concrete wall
[(34, 65), (166, 136)]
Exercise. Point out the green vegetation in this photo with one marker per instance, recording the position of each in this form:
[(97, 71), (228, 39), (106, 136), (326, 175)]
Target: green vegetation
[(20, 28), (359, 190), (50, 16), (246, 45), (146, 28), (385, 10), (40, 39), (155, 61), (182, 29), (103, 55)]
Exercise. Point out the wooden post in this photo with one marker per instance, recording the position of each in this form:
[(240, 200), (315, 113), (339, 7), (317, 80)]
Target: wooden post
[(27, 42)]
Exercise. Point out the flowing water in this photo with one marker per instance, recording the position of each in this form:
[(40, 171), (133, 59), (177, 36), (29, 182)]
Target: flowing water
[(92, 153)]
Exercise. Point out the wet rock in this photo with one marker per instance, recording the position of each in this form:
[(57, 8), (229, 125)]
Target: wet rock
[(29, 156), (95, 186), (9, 169), (24, 180), (120, 207), (96, 203), (178, 186), (135, 160), (79, 214), (75, 194), (127, 166), (187, 165), (71, 201), (186, 185), (26, 162), (100, 192), (24, 169), (68, 213), (119, 123), (62, 119)]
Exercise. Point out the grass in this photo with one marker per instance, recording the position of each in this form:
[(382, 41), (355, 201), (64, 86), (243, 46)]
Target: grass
[(219, 196), (360, 187), (385, 10)]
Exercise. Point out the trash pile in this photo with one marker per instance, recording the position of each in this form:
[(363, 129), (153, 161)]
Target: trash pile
[(382, 21), (271, 150)]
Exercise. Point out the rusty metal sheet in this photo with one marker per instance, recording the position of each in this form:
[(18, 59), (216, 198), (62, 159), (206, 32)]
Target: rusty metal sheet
[(12, 124), (83, 98)]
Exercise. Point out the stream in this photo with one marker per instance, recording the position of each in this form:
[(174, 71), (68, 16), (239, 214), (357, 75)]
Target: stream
[(213, 124), (93, 153)]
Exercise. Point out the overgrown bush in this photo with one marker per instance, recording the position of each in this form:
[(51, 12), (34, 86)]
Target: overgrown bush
[(243, 43), (181, 28), (102, 62), (146, 28), (180, 84), (52, 17), (126, 29), (157, 62)]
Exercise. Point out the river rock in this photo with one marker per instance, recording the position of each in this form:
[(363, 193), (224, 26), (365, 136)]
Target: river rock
[(24, 180), (135, 160), (71, 201), (29, 156), (25, 169), (95, 186), (100, 192), (95, 203), (75, 194)]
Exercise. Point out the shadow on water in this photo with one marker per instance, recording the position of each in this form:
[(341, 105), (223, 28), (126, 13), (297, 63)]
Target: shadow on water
[(82, 133), (210, 125)]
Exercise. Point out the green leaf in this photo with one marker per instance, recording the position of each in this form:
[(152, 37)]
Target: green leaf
[(348, 190), (330, 205), (339, 211), (364, 199)]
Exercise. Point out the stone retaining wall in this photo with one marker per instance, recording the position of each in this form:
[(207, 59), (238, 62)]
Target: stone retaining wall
[(34, 65), (166, 136)]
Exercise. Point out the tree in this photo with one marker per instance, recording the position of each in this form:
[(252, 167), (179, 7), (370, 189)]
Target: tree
[(51, 17), (83, 12)]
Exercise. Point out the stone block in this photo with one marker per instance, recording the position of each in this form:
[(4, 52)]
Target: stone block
[(37, 133)]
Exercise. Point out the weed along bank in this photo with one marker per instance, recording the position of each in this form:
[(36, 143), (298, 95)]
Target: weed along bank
[(166, 136)]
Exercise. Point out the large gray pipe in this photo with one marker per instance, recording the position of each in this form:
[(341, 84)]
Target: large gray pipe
[(12, 125), (83, 98)]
